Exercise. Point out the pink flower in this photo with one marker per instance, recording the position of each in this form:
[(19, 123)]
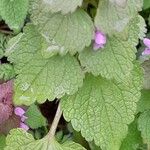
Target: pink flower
[(24, 126), (23, 118), (6, 96), (100, 40), (146, 41), (146, 51), (19, 111)]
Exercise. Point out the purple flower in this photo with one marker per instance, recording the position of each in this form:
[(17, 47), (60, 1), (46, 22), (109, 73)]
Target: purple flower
[(146, 51), (146, 41), (19, 111), (24, 126), (100, 40), (6, 105), (23, 118)]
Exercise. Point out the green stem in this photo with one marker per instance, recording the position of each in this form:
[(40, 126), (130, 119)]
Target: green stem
[(55, 122), (148, 146), (6, 32)]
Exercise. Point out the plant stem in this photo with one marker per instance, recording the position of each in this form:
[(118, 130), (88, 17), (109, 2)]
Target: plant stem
[(6, 32), (55, 122), (148, 146)]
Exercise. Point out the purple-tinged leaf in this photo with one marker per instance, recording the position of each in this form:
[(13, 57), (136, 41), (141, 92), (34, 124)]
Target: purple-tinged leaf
[(6, 108)]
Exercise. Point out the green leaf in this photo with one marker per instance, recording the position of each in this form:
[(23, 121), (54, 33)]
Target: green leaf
[(35, 118), (134, 31), (3, 42), (146, 67), (18, 139), (133, 139), (1, 45), (6, 72), (144, 125), (113, 61), (77, 30), (102, 109), (93, 146), (137, 30), (121, 3), (65, 6), (149, 20), (2, 142), (144, 102), (1, 53), (38, 78), (14, 12), (146, 4), (112, 18)]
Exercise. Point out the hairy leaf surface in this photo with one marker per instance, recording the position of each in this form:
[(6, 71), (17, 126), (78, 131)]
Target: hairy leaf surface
[(134, 30), (71, 32), (19, 139), (146, 66), (35, 118), (144, 102), (133, 138), (112, 18), (6, 72), (38, 78), (64, 6), (102, 109), (113, 61), (3, 42), (14, 12), (144, 125)]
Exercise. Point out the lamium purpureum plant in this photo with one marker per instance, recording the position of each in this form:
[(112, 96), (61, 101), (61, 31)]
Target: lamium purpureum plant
[(90, 58)]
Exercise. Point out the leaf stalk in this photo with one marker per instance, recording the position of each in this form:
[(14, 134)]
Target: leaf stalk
[(55, 122)]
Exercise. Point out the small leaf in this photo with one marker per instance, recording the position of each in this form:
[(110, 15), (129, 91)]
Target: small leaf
[(3, 41), (35, 118), (1, 53), (146, 4), (14, 12), (102, 109), (112, 18), (77, 30), (144, 102), (6, 72), (2, 142), (146, 66), (134, 31), (114, 61), (133, 139), (38, 78), (144, 125), (19, 139)]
